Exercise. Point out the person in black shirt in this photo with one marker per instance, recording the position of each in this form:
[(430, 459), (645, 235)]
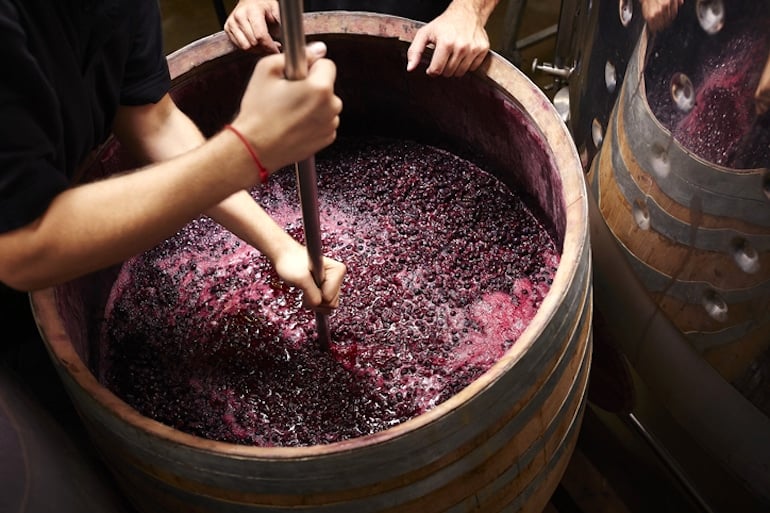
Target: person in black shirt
[(455, 28), (77, 71)]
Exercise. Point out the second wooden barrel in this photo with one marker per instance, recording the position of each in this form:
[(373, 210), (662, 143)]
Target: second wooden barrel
[(696, 238)]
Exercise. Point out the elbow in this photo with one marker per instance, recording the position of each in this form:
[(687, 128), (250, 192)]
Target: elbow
[(18, 285), (24, 271), (12, 273), (27, 261), (21, 279), (33, 273)]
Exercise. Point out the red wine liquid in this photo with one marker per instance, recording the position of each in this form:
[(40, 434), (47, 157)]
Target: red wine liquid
[(724, 68), (446, 268)]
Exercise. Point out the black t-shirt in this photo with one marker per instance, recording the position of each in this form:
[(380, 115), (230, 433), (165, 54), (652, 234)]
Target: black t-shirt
[(420, 10), (69, 65)]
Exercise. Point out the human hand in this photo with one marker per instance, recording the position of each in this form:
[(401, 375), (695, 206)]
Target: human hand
[(249, 24), (660, 13), (293, 266), (460, 41), (289, 120), (762, 94)]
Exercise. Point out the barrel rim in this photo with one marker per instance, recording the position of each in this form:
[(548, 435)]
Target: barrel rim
[(638, 58), (565, 161)]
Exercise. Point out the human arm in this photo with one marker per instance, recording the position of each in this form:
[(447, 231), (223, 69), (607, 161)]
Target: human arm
[(91, 226), (459, 37), (154, 133), (249, 24), (245, 218), (95, 225), (660, 13), (762, 94)]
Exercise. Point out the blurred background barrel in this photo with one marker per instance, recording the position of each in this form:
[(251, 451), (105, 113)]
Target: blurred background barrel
[(501, 444), (682, 247), (45, 467)]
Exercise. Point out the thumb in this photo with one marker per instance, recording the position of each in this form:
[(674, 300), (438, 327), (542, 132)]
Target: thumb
[(314, 51)]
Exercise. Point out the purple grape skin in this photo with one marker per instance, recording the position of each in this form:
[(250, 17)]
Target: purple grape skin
[(202, 335)]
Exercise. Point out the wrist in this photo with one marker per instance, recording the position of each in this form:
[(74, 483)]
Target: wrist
[(282, 246), (479, 9), (252, 151)]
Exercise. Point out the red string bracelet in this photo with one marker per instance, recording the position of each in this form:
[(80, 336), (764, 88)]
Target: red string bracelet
[(263, 174)]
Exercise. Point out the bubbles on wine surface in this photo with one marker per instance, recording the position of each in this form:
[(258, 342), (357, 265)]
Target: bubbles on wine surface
[(446, 268)]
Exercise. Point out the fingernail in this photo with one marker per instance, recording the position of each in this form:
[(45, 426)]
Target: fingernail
[(317, 48)]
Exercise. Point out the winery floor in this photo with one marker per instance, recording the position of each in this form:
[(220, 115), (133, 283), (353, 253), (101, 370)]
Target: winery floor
[(614, 468)]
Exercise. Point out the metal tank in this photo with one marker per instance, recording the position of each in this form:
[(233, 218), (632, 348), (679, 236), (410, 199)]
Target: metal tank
[(593, 42), (502, 443)]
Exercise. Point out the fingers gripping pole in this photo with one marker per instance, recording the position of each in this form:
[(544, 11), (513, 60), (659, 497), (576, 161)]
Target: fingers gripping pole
[(293, 39), (307, 183), (308, 192)]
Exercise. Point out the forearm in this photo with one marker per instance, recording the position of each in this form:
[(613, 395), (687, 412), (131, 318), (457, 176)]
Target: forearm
[(156, 132), (482, 9), (243, 216), (103, 223), (172, 133), (762, 94)]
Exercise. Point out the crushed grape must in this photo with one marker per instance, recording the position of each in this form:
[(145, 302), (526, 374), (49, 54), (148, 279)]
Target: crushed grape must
[(446, 268)]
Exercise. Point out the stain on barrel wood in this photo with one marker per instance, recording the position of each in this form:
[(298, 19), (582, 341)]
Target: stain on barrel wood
[(500, 444)]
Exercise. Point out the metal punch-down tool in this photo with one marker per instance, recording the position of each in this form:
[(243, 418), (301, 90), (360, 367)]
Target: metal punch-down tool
[(297, 69)]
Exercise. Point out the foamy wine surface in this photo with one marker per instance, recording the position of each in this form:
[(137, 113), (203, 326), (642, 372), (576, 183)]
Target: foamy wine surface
[(722, 126), (446, 267)]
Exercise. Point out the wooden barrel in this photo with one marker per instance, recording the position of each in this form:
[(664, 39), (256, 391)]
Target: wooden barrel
[(502, 443), (696, 236)]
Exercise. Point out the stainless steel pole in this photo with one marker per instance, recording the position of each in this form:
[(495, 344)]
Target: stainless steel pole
[(307, 182)]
